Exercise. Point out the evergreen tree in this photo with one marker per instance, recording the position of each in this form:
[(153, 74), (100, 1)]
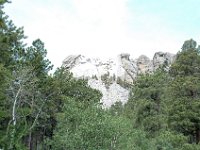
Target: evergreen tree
[(4, 106), (184, 92), (36, 58), (146, 103), (10, 38), (10, 41)]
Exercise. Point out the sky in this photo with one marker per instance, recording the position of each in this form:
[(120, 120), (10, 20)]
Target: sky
[(106, 28)]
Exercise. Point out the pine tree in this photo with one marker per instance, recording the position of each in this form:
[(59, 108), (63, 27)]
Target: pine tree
[(184, 92), (10, 39), (146, 103)]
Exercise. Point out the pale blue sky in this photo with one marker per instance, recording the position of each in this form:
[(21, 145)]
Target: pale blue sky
[(106, 28), (180, 15)]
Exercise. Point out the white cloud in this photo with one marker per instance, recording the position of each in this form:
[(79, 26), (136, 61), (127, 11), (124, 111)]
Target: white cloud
[(93, 27)]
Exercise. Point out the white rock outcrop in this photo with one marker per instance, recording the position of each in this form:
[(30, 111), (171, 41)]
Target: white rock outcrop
[(144, 64), (161, 58), (112, 76)]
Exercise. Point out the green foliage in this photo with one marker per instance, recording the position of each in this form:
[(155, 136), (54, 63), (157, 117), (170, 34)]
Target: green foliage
[(190, 147), (117, 109), (76, 128), (36, 57), (168, 140), (93, 128), (123, 84), (42, 111), (187, 64), (4, 106), (77, 89), (10, 40), (145, 105), (184, 92)]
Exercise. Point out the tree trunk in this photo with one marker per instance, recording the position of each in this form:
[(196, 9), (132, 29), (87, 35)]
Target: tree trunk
[(197, 135), (30, 141)]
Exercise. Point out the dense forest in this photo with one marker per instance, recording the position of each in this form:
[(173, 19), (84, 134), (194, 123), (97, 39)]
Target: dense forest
[(43, 111)]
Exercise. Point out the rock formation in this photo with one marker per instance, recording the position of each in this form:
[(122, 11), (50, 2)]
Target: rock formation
[(144, 64), (114, 76)]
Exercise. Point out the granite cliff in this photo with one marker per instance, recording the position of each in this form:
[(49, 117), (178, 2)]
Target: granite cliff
[(113, 77)]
